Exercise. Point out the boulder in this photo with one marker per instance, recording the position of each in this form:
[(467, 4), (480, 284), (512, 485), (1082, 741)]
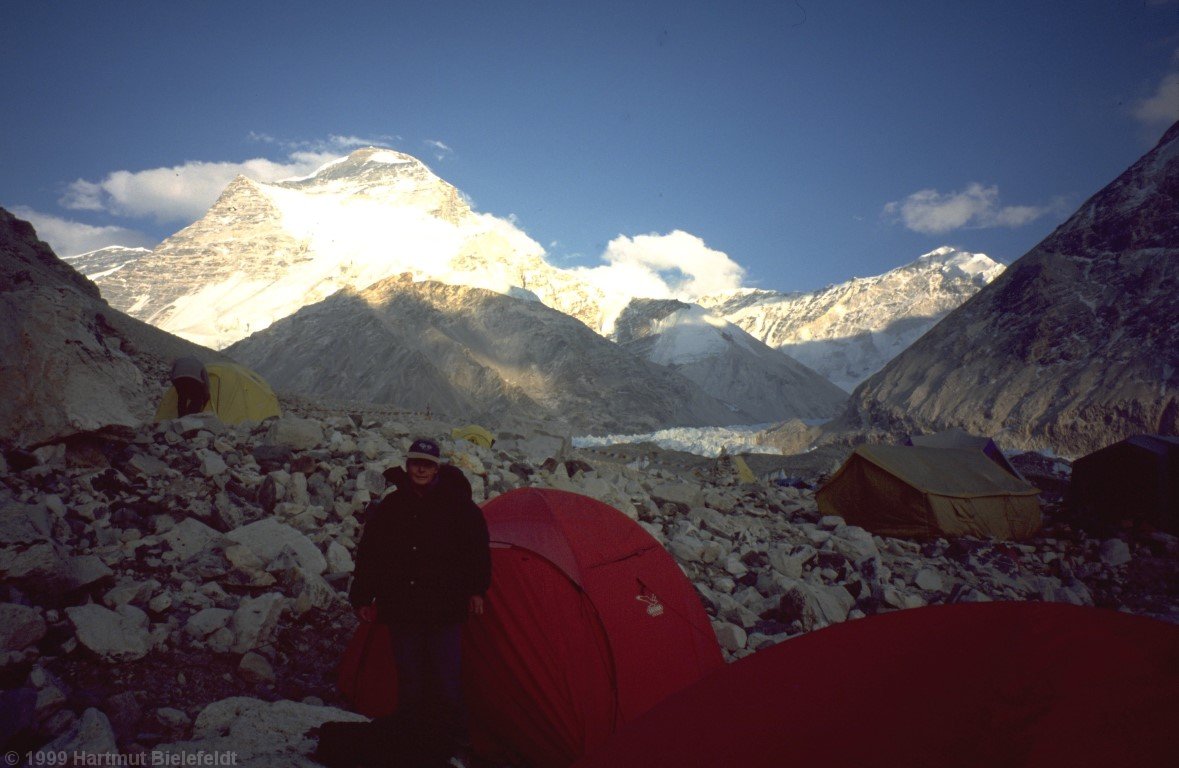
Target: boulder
[(255, 620), (267, 537), (207, 621), (190, 537), (688, 494), (255, 732), (255, 668), (91, 736), (296, 433), (339, 559), (813, 605), (113, 637), (1114, 552), (20, 627), (731, 637), (929, 580)]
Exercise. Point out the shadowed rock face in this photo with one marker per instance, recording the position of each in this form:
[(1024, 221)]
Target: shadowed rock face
[(68, 362), (472, 354), (1073, 347)]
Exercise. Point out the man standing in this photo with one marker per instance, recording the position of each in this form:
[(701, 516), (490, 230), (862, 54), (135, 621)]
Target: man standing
[(422, 566)]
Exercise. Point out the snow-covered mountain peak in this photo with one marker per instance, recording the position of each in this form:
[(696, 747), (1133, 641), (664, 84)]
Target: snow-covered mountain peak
[(371, 166), (849, 331), (954, 263)]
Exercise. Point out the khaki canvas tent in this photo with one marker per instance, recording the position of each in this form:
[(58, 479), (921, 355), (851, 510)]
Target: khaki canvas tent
[(235, 394), (921, 492), (959, 438)]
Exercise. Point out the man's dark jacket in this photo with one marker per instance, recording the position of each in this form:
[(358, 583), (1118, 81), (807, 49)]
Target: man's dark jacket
[(422, 557)]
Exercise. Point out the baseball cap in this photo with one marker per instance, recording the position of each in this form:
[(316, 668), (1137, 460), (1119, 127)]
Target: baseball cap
[(426, 449)]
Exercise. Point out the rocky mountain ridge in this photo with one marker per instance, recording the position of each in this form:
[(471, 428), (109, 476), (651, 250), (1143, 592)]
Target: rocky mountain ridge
[(69, 362), (849, 331), (473, 354), (1073, 347)]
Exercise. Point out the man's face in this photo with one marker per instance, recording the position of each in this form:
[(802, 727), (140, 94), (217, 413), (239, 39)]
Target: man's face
[(421, 471)]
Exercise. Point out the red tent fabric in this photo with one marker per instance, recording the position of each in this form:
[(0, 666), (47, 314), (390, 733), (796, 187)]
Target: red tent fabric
[(992, 684), (367, 676), (590, 622)]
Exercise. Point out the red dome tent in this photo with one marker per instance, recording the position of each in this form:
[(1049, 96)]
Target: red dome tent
[(991, 684), (589, 623)]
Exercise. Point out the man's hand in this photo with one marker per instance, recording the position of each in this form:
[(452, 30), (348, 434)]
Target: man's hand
[(367, 613), (476, 605)]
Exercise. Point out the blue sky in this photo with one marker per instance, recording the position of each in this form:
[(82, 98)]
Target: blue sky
[(810, 142)]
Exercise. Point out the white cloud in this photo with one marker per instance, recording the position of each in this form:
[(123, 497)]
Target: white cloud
[(70, 238), (333, 143), (675, 265), (931, 212), (441, 151), (181, 192), (1163, 106)]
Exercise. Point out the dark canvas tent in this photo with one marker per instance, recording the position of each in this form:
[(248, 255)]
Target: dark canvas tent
[(915, 492), (235, 394), (960, 438), (589, 623), (966, 685), (1136, 479)]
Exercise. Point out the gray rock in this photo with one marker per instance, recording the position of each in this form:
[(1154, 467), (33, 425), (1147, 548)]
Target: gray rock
[(190, 537), (929, 580), (43, 568), (258, 733), (113, 637), (212, 464), (731, 637), (339, 559), (853, 541), (1114, 552), (790, 562), (207, 621), (296, 433), (814, 605), (255, 621), (255, 668), (91, 735), (173, 718), (22, 523), (266, 538), (145, 465), (20, 627), (89, 569), (689, 494)]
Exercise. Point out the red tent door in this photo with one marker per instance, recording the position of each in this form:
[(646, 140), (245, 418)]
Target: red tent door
[(537, 665)]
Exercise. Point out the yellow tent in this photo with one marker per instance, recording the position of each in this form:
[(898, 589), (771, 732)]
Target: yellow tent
[(473, 433), (922, 492), (744, 473), (235, 394)]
